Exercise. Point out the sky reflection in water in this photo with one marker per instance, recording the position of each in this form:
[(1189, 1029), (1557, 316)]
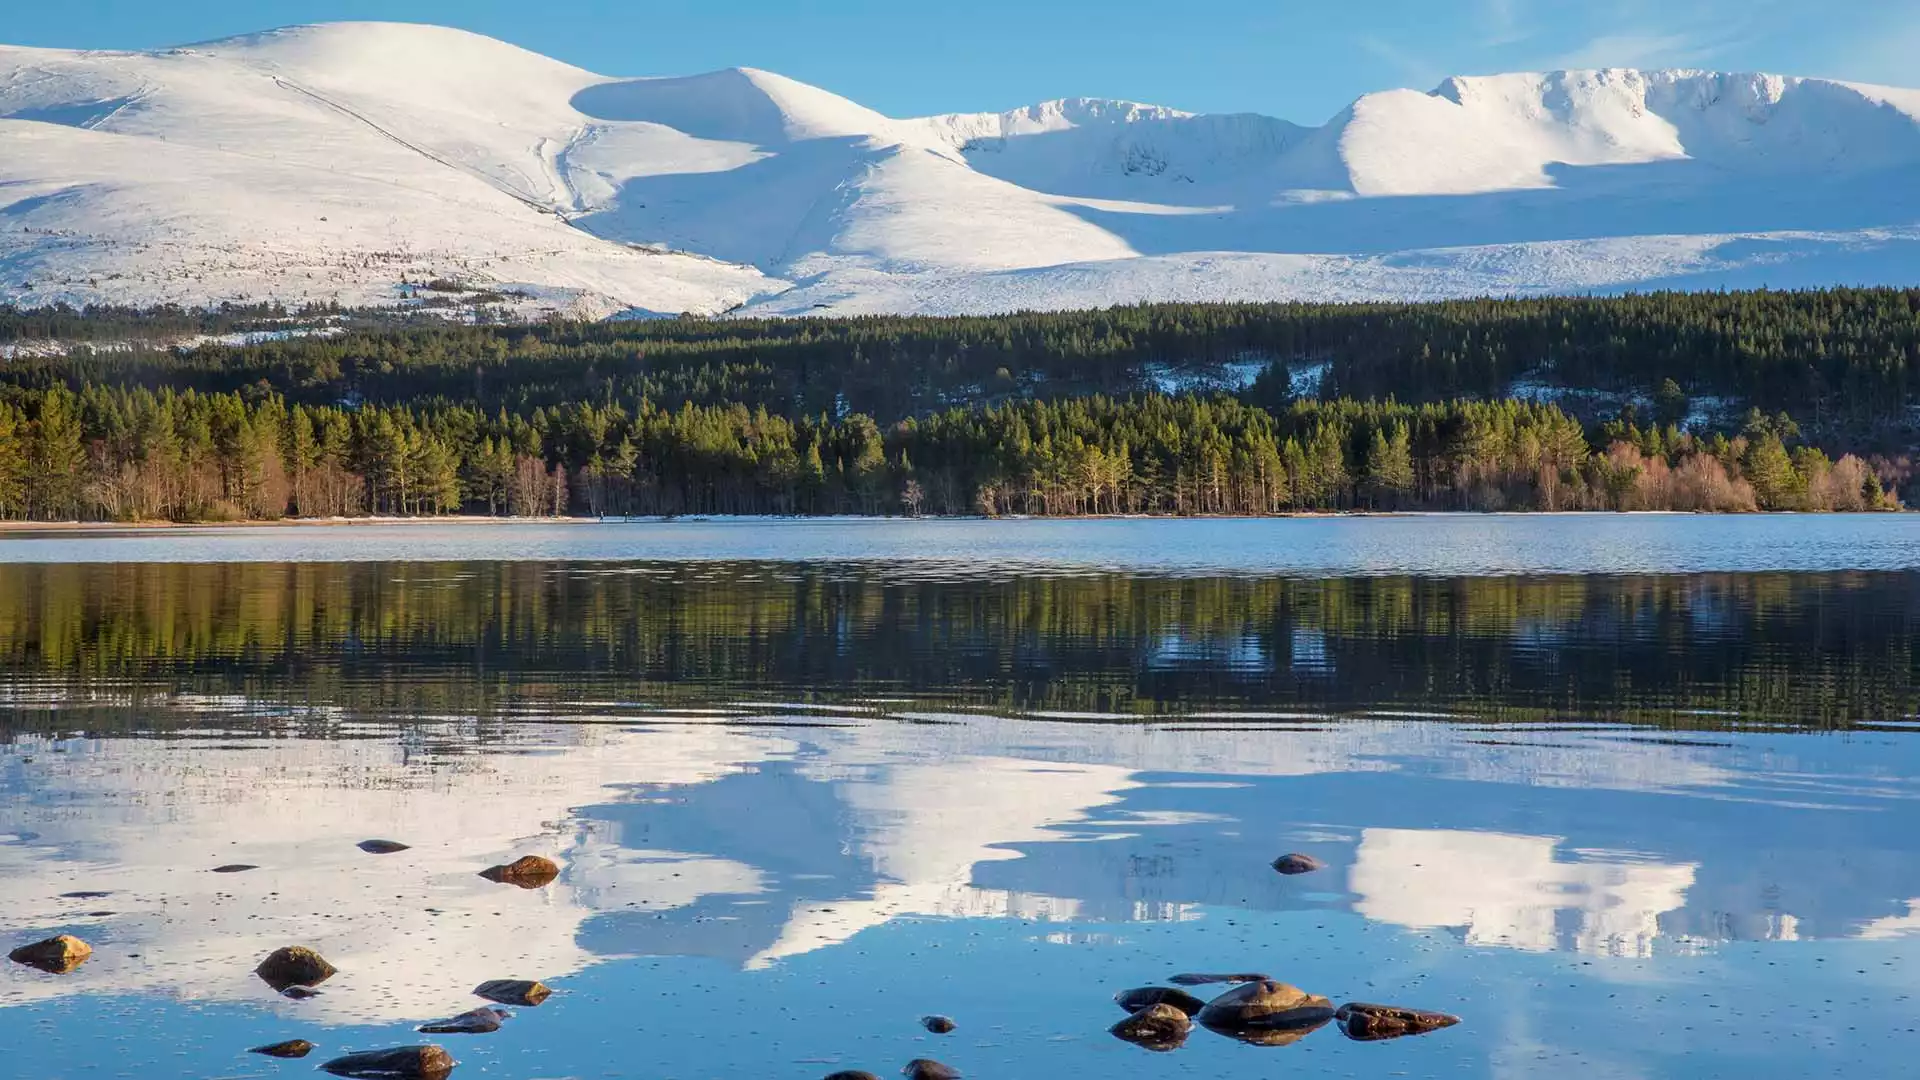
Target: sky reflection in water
[(781, 849)]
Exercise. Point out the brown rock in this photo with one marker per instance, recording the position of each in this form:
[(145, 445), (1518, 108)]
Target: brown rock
[(528, 872), (235, 868), (1370, 1023), (929, 1069), (1266, 1013), (381, 847), (294, 966), (1159, 1028), (939, 1025), (55, 956), (1135, 1000), (1298, 864), (523, 992), (292, 1048), (481, 1021), (1204, 978), (402, 1063)]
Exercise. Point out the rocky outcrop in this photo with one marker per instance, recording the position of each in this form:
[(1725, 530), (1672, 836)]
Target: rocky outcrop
[(382, 847), (56, 955), (292, 1048), (294, 966), (1363, 1022), (1157, 1027), (528, 872), (481, 1021), (402, 1063), (1266, 1013), (1297, 863), (525, 993), (1147, 996)]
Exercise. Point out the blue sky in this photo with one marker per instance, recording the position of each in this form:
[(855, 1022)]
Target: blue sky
[(1290, 58)]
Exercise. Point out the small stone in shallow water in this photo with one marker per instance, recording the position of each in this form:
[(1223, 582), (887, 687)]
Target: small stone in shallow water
[(479, 1021), (929, 1069), (294, 966), (523, 992), (528, 872), (299, 993), (939, 1025), (402, 1063), (55, 956), (85, 894), (1204, 978), (292, 1048), (1157, 1027), (235, 868), (1135, 1000), (1297, 863), (382, 847), (1370, 1023), (1266, 1013), (851, 1074)]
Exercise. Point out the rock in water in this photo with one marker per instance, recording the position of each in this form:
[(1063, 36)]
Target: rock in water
[(1157, 1027), (1370, 1023), (939, 1025), (299, 993), (929, 1069), (1298, 864), (292, 1048), (235, 868), (381, 847), (55, 956), (479, 1021), (528, 872), (1204, 978), (294, 966), (523, 992), (1135, 1000), (851, 1074), (402, 1063), (1266, 1013)]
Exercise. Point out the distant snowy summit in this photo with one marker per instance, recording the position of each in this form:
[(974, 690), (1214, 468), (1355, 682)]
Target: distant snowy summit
[(359, 161)]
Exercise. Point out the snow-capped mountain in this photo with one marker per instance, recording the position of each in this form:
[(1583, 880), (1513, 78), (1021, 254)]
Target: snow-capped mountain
[(339, 161)]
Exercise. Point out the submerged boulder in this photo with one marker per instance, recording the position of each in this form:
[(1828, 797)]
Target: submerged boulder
[(481, 1021), (526, 993), (381, 847), (1146, 996), (55, 956), (528, 872), (294, 966), (1204, 978), (401, 1063), (929, 1069), (1266, 1013), (1370, 1023), (939, 1025), (1157, 1027), (292, 1048)]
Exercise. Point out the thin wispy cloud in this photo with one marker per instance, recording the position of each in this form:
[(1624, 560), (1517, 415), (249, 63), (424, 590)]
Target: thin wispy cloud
[(1411, 68)]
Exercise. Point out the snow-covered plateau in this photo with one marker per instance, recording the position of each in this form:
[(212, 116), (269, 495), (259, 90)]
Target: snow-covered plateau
[(357, 161)]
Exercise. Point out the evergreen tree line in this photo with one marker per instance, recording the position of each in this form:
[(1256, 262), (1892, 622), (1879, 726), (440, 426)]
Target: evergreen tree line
[(1842, 360), (109, 453)]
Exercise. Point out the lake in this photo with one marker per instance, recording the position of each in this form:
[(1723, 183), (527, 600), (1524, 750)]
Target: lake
[(1633, 797)]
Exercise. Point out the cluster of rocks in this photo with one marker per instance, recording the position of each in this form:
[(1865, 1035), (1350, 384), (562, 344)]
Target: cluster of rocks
[(918, 1068), (1259, 1009), (296, 971)]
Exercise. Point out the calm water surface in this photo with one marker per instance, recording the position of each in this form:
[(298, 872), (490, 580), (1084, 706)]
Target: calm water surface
[(1635, 797)]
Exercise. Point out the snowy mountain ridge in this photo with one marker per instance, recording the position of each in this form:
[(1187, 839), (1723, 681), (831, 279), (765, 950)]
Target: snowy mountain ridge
[(335, 162)]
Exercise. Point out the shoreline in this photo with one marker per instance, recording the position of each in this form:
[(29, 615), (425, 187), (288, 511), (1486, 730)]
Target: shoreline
[(477, 520)]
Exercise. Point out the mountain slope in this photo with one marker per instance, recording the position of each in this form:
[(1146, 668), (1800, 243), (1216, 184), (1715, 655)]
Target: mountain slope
[(336, 162)]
